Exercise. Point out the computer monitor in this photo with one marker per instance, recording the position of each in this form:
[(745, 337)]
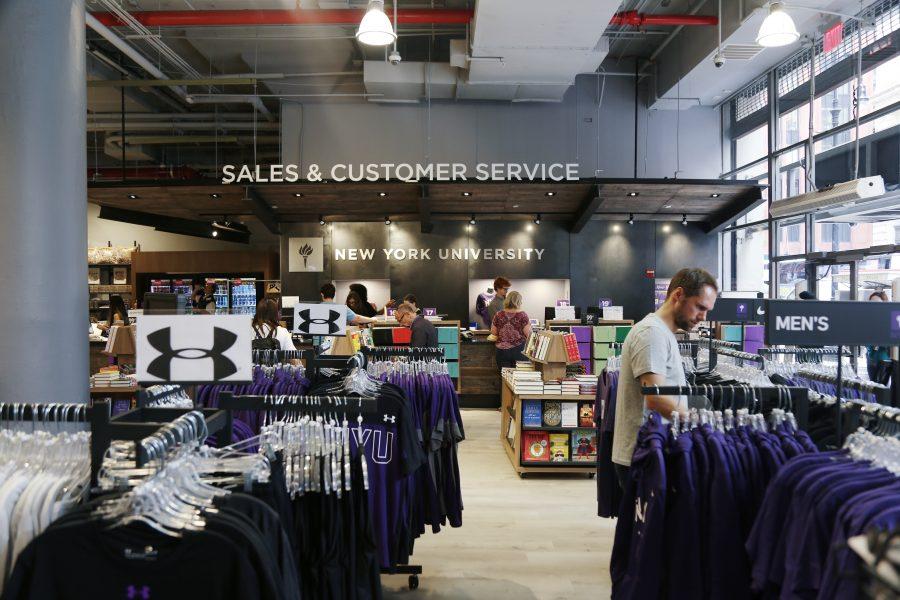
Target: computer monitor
[(164, 304)]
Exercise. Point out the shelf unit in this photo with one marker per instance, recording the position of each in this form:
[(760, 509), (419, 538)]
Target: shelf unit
[(102, 291), (511, 417)]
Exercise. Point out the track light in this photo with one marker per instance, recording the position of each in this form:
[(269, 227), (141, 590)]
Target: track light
[(633, 194), (321, 220), (375, 29), (467, 194), (537, 219), (387, 220), (215, 195), (684, 220), (382, 194), (298, 195), (714, 195), (631, 219), (215, 233), (550, 194), (472, 220), (133, 196)]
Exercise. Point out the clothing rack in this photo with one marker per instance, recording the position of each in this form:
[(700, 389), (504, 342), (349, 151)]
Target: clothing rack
[(795, 399), (62, 412), (714, 354), (268, 357), (882, 394), (228, 402), (146, 396), (137, 424), (827, 351), (404, 351)]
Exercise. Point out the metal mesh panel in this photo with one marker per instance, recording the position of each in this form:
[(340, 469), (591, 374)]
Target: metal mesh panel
[(752, 98), (795, 71)]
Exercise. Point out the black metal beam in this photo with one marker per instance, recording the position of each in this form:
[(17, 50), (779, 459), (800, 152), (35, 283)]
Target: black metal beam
[(262, 211), (425, 209), (587, 209), (734, 210), (177, 225)]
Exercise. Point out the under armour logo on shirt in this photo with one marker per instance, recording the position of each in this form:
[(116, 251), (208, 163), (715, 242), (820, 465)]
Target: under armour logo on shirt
[(390, 419), (161, 366), (132, 592), (307, 320)]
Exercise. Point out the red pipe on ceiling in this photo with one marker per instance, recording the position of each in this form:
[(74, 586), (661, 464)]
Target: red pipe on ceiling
[(405, 16), (636, 19), (226, 18)]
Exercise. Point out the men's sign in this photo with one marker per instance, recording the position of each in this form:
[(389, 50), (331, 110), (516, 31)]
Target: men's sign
[(194, 349), (320, 319), (812, 323)]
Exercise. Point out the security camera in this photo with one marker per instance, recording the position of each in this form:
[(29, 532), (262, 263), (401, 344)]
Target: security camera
[(394, 57), (719, 60)]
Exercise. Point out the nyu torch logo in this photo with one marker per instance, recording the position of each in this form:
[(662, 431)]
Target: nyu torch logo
[(161, 366)]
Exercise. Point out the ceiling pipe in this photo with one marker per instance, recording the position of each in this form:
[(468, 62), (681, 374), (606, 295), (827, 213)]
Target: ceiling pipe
[(187, 126), (115, 173), (226, 18), (256, 101), (405, 16), (635, 19)]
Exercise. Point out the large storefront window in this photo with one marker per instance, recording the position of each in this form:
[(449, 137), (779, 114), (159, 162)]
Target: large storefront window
[(792, 173), (791, 275), (752, 259), (791, 238), (876, 274), (752, 146), (833, 282)]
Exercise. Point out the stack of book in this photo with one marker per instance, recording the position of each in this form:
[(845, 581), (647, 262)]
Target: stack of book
[(570, 386), (526, 382), (524, 365), (109, 377), (587, 384), (552, 388)]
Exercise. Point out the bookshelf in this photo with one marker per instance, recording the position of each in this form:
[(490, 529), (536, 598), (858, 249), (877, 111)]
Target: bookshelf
[(511, 417)]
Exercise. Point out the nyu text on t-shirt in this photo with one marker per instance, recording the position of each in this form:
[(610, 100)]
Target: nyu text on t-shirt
[(650, 347)]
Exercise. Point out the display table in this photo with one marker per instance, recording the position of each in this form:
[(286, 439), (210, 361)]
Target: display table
[(511, 422)]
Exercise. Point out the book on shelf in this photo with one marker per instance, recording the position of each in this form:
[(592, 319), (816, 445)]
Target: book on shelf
[(559, 447), (585, 414), (535, 446), (584, 445), (531, 413), (93, 275), (569, 414), (571, 343), (552, 413), (524, 365)]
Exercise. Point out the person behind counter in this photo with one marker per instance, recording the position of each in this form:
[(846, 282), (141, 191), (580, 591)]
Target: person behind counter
[(117, 312), (366, 308), (267, 333), (204, 297), (424, 333), (328, 293), (412, 301), (511, 327), (501, 288)]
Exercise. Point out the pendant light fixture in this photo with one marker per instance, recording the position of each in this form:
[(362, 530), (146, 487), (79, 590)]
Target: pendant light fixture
[(375, 29), (777, 29)]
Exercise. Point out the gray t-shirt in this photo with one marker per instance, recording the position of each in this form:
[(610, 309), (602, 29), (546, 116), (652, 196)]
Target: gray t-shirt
[(495, 306), (650, 347)]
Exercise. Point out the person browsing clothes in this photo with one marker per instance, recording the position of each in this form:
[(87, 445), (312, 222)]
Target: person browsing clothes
[(650, 357), (424, 333), (511, 328)]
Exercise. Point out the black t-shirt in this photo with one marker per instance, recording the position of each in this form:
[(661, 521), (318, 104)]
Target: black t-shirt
[(424, 333), (84, 560)]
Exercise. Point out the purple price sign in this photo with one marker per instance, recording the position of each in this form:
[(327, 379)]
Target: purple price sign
[(429, 312), (604, 302), (562, 302), (390, 312)]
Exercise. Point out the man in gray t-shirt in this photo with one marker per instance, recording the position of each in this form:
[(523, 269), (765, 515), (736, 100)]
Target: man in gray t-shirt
[(650, 356)]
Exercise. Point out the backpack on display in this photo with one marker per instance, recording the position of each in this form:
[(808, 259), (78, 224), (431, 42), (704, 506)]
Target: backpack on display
[(265, 342)]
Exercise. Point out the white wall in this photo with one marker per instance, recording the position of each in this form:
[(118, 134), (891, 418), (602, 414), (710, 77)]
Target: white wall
[(536, 295), (101, 231)]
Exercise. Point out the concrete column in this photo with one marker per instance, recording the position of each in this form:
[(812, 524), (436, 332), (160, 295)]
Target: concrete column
[(43, 202)]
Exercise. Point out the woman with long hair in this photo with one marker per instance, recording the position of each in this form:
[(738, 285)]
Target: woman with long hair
[(266, 327)]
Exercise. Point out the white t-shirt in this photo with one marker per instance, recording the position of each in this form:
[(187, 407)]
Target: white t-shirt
[(281, 334)]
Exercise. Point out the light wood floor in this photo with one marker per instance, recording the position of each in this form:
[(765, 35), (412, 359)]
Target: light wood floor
[(535, 538)]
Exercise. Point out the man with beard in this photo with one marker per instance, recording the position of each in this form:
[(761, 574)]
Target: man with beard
[(650, 357)]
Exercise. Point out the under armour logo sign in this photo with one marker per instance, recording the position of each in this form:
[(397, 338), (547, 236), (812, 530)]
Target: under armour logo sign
[(132, 592), (307, 321), (161, 366), (390, 419)]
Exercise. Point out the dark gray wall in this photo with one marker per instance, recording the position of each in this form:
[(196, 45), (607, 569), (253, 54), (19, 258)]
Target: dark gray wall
[(604, 260), (599, 136)]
